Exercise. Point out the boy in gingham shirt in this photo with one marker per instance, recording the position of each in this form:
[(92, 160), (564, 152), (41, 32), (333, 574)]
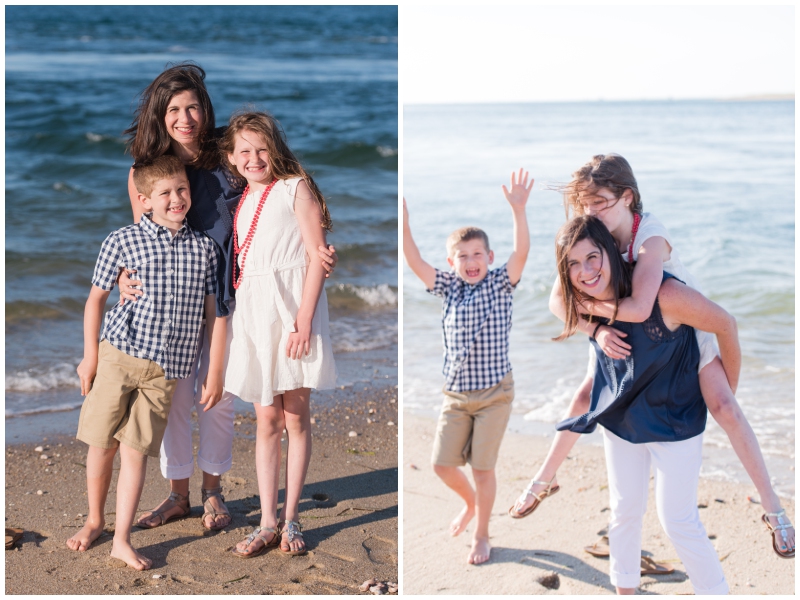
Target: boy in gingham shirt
[(479, 388), (129, 377)]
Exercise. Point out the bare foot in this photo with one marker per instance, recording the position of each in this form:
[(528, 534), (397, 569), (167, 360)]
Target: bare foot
[(459, 524), (125, 552), (481, 549), (219, 521), (82, 540), (169, 508)]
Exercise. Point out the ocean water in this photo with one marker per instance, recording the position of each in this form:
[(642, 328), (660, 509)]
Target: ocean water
[(73, 75), (719, 175)]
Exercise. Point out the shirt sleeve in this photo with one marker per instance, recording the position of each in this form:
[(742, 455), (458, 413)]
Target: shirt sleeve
[(502, 281), (649, 227), (442, 284), (211, 270), (106, 269)]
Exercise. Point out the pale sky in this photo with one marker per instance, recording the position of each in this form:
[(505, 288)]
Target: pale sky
[(548, 53)]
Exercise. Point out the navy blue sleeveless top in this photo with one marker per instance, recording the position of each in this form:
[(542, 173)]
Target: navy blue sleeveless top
[(215, 194), (653, 395)]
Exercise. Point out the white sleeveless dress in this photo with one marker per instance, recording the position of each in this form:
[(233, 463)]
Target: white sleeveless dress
[(267, 302)]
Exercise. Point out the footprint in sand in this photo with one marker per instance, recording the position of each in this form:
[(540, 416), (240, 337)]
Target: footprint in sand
[(380, 550)]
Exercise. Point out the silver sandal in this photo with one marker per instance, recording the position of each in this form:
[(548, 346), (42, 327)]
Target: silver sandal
[(256, 533), (538, 498), (292, 529), (174, 497), (782, 527)]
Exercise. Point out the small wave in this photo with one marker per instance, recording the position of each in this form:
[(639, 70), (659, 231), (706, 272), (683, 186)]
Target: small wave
[(58, 376), (358, 155), (10, 413), (346, 295), (386, 151), (23, 310), (94, 137), (354, 334)]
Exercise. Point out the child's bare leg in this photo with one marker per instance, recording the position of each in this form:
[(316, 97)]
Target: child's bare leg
[(560, 448), (99, 467), (728, 414), (626, 591), (297, 418), (485, 492), (268, 467), (456, 480), (133, 467)]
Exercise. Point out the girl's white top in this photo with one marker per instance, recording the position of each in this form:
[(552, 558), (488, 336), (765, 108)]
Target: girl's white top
[(267, 302), (649, 227)]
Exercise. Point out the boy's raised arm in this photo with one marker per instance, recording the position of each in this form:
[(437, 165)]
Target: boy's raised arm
[(414, 259), (92, 320), (518, 197)]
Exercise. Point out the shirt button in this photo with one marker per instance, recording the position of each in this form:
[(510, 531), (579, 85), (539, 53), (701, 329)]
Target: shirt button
[(171, 296), (166, 345), (171, 271)]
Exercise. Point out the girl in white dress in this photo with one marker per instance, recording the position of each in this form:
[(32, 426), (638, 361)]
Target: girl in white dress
[(280, 345)]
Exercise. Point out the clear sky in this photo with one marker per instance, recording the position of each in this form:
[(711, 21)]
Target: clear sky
[(550, 53)]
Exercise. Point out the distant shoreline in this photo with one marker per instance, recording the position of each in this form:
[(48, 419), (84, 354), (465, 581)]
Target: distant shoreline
[(753, 98)]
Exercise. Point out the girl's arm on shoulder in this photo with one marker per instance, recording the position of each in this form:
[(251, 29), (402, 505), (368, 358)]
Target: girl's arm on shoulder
[(136, 206), (608, 337), (647, 277), (682, 305), (309, 217)]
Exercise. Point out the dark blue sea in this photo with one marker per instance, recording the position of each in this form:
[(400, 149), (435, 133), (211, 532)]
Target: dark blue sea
[(73, 75)]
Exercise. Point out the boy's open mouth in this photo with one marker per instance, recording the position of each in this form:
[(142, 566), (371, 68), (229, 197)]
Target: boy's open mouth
[(473, 272)]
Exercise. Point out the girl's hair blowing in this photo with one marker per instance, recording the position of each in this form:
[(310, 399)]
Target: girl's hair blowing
[(610, 171)]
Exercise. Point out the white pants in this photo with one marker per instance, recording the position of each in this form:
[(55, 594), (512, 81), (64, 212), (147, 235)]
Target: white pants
[(677, 472), (215, 452)]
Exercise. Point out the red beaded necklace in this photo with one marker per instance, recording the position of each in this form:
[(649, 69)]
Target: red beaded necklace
[(637, 218), (237, 249)]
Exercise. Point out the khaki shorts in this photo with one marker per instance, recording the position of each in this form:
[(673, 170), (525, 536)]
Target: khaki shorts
[(128, 403), (471, 426)]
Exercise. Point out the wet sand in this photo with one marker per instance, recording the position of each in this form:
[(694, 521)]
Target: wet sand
[(349, 514), (551, 539)]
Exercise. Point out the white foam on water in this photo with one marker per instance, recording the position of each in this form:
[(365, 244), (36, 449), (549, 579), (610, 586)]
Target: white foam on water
[(386, 151), (61, 375), (379, 295)]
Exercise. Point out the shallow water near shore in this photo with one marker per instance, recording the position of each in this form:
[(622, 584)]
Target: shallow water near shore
[(329, 74), (719, 175)]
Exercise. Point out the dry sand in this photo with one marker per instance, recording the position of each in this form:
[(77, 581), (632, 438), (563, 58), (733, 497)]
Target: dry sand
[(351, 537), (551, 540)]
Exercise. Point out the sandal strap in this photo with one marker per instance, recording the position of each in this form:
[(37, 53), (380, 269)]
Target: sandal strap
[(176, 497), (212, 493), (544, 493), (256, 533), (292, 528)]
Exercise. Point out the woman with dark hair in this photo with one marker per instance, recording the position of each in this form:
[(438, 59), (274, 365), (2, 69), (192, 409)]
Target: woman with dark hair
[(175, 116), (649, 403)]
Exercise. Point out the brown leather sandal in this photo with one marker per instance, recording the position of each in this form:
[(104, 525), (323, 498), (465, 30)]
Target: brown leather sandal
[(174, 498), (209, 508)]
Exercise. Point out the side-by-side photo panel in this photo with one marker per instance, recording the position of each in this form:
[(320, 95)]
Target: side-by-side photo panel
[(201, 269), (598, 301)]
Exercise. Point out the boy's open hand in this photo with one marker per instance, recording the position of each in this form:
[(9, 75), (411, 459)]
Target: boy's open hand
[(87, 371), (520, 189)]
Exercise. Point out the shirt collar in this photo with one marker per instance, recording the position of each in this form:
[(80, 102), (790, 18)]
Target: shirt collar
[(154, 230)]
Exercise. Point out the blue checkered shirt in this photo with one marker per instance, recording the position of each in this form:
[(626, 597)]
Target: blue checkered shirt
[(476, 320), (177, 273)]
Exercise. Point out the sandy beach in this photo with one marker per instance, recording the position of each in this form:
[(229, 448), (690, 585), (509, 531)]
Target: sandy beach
[(551, 540), (348, 512)]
